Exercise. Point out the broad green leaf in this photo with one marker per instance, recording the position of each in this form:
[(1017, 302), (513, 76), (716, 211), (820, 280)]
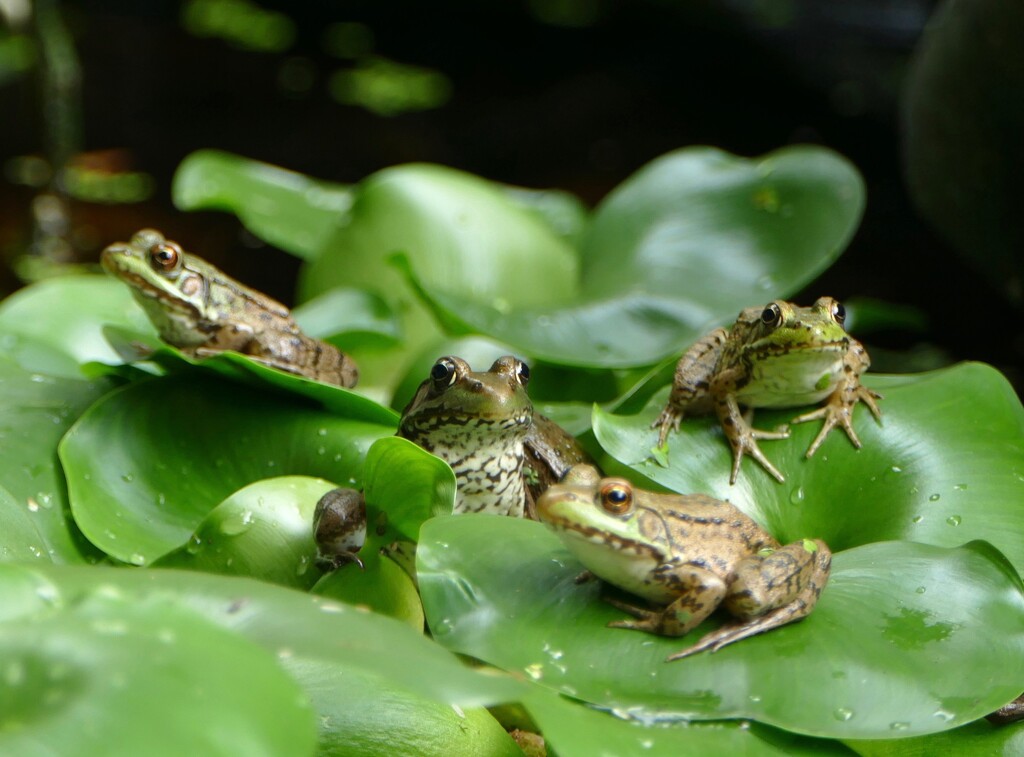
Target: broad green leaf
[(576, 730), (264, 531), (941, 467), (108, 673), (148, 463), (903, 640), (758, 227), (341, 657), (978, 738), (56, 325), (309, 635), (20, 540), (286, 209), (686, 242), (404, 486), (346, 317), (35, 411)]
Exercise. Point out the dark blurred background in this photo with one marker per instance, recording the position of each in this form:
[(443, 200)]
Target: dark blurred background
[(574, 94)]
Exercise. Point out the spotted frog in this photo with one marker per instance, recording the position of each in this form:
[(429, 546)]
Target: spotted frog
[(779, 355), (202, 311), (685, 554)]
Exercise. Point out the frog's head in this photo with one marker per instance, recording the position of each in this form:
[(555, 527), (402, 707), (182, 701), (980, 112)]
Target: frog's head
[(454, 395), (602, 522), (595, 509), (783, 328), (171, 285)]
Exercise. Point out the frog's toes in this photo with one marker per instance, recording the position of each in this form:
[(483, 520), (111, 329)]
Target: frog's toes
[(667, 421), (646, 620)]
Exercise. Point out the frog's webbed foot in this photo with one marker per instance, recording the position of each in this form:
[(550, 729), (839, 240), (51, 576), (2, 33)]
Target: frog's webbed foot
[(647, 620), (838, 411), (743, 437)]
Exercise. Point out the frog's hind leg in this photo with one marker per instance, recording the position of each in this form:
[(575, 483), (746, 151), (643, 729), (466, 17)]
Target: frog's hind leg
[(699, 592), (770, 591)]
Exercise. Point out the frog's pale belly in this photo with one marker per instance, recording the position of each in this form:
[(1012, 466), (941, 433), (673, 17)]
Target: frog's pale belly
[(798, 378), (486, 456)]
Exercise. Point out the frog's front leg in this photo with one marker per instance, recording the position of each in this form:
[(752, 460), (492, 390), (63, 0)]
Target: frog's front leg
[(690, 383), (838, 408), (769, 591), (699, 592), (741, 435)]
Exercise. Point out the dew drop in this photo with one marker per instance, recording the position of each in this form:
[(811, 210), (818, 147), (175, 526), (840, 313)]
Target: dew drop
[(896, 469), (920, 590), (33, 506), (237, 523), (959, 487), (797, 495), (917, 519), (934, 498), (194, 545), (127, 477), (954, 520), (137, 559), (899, 725), (321, 432), (842, 713), (944, 715), (535, 671), (303, 565)]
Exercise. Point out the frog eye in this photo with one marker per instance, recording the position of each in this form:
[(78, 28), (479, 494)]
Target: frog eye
[(771, 315), (522, 372), (616, 497), (838, 311), (444, 373), (165, 256)]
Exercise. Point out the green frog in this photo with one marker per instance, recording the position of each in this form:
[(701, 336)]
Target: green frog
[(483, 424), (202, 311), (779, 355), (685, 554)]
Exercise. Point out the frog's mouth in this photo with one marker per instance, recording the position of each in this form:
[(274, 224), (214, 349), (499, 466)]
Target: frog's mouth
[(145, 288), (776, 349)]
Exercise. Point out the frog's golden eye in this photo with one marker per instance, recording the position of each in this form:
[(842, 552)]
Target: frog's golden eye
[(838, 311), (522, 372), (771, 315), (616, 497), (444, 373), (165, 256)]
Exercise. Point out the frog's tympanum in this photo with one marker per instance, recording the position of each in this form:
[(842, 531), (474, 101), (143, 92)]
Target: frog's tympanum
[(687, 555), (482, 423), (780, 355), (202, 311)]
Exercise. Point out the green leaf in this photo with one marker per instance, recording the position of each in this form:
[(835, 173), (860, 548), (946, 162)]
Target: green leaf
[(56, 325), (263, 530), (572, 729), (404, 486), (238, 367), (758, 228), (345, 317), (140, 676), (978, 738), (940, 468), (20, 540), (341, 657), (35, 411), (139, 488), (903, 639), (286, 209)]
